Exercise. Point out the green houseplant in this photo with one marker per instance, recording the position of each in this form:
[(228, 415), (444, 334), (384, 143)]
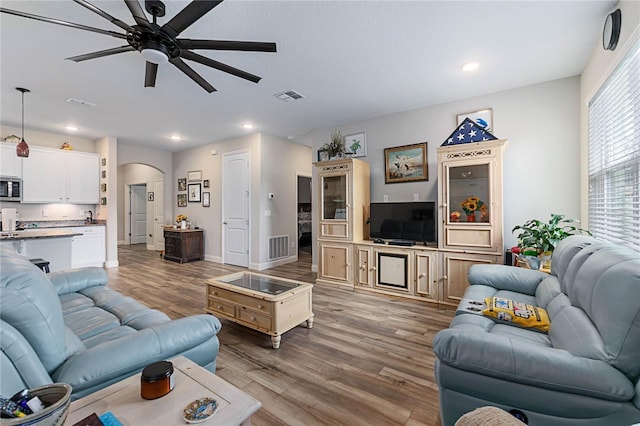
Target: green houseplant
[(336, 146), (539, 237)]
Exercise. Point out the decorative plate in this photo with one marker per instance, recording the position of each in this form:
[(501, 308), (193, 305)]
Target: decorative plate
[(200, 410)]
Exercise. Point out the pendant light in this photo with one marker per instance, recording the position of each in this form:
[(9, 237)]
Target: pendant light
[(22, 150)]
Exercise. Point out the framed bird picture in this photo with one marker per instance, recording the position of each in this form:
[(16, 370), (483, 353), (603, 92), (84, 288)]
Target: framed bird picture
[(407, 163)]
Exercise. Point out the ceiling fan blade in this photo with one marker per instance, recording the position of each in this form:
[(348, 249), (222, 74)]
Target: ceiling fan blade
[(105, 15), (138, 13), (244, 46), (63, 23), (179, 63), (101, 53), (150, 74), (186, 54), (187, 16)]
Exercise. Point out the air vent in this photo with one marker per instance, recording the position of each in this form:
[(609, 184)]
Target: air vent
[(289, 95), (278, 247), (81, 102)]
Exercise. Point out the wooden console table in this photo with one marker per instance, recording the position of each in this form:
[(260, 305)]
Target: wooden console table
[(183, 245)]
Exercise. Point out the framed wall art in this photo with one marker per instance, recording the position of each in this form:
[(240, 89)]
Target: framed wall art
[(195, 176), (194, 192), (323, 155), (356, 144), (206, 199), (182, 184), (150, 196), (182, 200), (407, 163), (483, 118), (205, 183)]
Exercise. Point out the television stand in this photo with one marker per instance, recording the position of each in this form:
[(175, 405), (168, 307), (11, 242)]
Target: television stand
[(404, 243)]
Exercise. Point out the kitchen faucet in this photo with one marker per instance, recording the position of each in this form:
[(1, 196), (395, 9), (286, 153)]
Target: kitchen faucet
[(90, 216)]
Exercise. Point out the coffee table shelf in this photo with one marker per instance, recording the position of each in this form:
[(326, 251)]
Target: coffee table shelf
[(271, 305)]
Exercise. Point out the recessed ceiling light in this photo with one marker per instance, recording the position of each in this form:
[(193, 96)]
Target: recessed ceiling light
[(247, 126), (72, 128), (470, 66), (175, 137)]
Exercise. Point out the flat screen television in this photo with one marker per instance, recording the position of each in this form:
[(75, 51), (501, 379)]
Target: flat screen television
[(414, 221)]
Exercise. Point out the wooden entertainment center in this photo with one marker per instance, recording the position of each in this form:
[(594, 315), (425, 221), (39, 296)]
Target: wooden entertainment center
[(436, 274)]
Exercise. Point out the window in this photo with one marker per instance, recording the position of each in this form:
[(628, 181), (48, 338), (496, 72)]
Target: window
[(614, 155)]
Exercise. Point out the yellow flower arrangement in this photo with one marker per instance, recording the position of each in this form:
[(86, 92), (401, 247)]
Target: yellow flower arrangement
[(473, 204), (181, 217)]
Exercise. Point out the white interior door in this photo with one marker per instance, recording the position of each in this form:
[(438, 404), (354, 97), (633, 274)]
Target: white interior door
[(158, 203), (138, 214), (235, 214)]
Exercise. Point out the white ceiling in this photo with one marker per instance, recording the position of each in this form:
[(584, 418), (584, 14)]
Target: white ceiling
[(351, 60)]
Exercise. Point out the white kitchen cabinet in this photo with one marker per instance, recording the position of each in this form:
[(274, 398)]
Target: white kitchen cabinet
[(57, 176), (10, 163), (43, 176), (83, 178), (88, 249)]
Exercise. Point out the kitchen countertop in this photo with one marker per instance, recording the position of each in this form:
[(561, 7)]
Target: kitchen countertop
[(47, 229), (44, 233)]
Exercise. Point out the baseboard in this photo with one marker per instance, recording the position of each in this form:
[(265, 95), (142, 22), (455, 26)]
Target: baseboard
[(314, 268), (210, 258), (121, 242), (111, 264), (274, 263)]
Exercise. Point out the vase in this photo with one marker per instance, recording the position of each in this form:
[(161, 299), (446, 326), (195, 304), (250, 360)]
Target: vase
[(183, 224), (471, 217)]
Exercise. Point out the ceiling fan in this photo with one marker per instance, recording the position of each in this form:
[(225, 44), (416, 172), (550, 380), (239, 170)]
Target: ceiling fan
[(160, 44)]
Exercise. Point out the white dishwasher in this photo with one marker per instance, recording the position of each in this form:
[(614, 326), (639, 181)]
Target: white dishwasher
[(88, 249)]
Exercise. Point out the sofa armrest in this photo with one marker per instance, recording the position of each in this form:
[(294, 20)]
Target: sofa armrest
[(502, 277), (129, 354), (74, 280), (471, 349)]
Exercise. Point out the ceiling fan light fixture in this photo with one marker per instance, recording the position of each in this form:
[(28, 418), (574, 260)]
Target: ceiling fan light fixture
[(155, 56)]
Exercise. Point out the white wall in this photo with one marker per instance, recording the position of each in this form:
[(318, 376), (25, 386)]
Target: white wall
[(282, 162), (600, 65), (274, 164), (541, 164)]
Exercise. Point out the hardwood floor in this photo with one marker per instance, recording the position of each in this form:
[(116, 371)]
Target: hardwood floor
[(366, 361)]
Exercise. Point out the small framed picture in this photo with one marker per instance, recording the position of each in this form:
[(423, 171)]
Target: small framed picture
[(323, 155), (195, 176), (103, 187), (206, 199), (103, 201), (483, 118), (104, 174), (150, 196), (356, 144), (104, 162), (205, 183), (194, 192), (182, 184), (182, 200)]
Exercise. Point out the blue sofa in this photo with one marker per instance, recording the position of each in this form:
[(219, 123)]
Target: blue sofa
[(585, 371), (69, 327)]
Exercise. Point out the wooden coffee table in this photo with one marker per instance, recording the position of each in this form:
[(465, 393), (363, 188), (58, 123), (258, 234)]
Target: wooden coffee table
[(191, 382), (267, 304)]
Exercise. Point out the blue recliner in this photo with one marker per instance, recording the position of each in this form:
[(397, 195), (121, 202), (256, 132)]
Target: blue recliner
[(69, 327), (585, 371)]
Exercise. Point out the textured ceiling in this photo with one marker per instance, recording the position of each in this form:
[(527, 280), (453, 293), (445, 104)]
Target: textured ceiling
[(351, 60)]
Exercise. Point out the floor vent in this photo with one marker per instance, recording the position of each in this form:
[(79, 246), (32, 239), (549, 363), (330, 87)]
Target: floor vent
[(278, 247)]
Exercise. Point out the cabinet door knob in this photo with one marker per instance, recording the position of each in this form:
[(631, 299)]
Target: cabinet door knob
[(373, 268), (260, 306)]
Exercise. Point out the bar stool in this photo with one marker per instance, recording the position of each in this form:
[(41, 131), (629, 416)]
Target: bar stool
[(41, 263)]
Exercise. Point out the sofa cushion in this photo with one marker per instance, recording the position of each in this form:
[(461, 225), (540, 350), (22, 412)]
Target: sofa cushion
[(30, 304)]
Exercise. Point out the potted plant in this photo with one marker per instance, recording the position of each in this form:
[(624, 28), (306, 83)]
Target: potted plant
[(536, 238), (336, 147)]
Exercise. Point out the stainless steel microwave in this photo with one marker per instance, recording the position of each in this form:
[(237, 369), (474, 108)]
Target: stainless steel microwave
[(10, 189)]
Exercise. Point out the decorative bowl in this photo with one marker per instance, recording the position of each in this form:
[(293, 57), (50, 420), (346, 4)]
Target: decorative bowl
[(56, 397)]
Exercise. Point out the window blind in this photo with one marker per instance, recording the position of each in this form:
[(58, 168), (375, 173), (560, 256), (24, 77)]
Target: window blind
[(614, 155)]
